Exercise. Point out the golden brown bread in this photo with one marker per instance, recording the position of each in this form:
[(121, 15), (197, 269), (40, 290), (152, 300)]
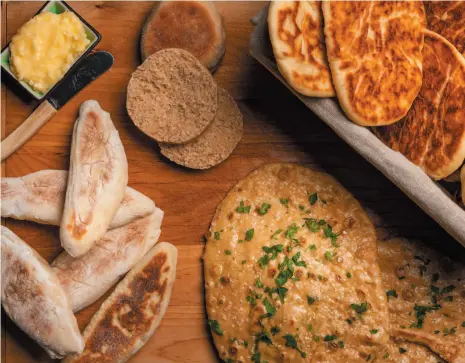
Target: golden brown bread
[(432, 134)]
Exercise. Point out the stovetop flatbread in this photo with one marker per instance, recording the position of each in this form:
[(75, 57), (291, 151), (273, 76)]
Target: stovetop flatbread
[(374, 52), (447, 18), (296, 33), (432, 134), (426, 293), (291, 271)]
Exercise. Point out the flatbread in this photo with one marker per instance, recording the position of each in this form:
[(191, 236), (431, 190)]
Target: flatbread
[(267, 268), (216, 143), (447, 18), (132, 313), (401, 351), (426, 296), (374, 52), (296, 33), (432, 134), (195, 26), (40, 196), (97, 179), (171, 97), (462, 177)]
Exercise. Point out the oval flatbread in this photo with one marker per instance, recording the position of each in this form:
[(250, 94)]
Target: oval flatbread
[(374, 52), (291, 271), (172, 97), (447, 18), (432, 134), (216, 143), (296, 33), (426, 293)]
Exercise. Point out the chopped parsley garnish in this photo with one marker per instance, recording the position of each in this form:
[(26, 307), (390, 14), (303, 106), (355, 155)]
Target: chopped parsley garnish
[(436, 332), (349, 275), (243, 262), (227, 252), (281, 291), (421, 313), (313, 247), (368, 358), (252, 300), (217, 235), (263, 337), (292, 343), (329, 256), (374, 331), (402, 350), (311, 300), (301, 207), (215, 327), (310, 327), (340, 343), (242, 208), (276, 233), (329, 338), (386, 356), (264, 209), (328, 231), (271, 254), (283, 276), (359, 308), (270, 309), (314, 226), (275, 330), (463, 324), (255, 357), (313, 198), (284, 202), (222, 279), (296, 261), (391, 293), (291, 231), (249, 234), (258, 283), (447, 331), (263, 261), (316, 338)]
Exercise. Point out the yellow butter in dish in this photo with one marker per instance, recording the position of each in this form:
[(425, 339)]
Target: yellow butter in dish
[(45, 48)]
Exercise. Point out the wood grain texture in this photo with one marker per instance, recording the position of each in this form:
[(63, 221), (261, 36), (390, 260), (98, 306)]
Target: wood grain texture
[(277, 127)]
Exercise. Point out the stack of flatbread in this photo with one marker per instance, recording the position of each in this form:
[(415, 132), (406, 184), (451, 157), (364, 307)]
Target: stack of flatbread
[(174, 99), (106, 230), (294, 273), (396, 66)]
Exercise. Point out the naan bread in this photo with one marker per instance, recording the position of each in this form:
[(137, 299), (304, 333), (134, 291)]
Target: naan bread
[(400, 351), (34, 299), (432, 134), (40, 196), (97, 180), (296, 33), (374, 52), (87, 278), (132, 313), (447, 18), (291, 271), (426, 293)]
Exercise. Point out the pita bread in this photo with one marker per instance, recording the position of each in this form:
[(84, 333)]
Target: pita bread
[(40, 196), (216, 143), (195, 26), (432, 134), (87, 278), (171, 97), (34, 299), (132, 313), (97, 180), (374, 52), (291, 268), (426, 297), (296, 33), (447, 18)]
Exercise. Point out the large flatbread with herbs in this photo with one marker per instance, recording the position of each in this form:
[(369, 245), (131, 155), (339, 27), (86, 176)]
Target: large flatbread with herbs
[(374, 52), (426, 293), (291, 271)]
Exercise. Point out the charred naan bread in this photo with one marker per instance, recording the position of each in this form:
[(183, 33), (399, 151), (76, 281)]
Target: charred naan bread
[(447, 18), (34, 299), (432, 134), (426, 293), (374, 52), (87, 278), (291, 271), (296, 33), (97, 180), (132, 313), (40, 196)]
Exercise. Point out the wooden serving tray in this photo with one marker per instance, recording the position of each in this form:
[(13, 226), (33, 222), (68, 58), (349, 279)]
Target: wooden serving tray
[(426, 193)]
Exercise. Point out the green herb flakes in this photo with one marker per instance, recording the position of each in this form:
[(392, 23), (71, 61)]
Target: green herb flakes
[(258, 283), (374, 331), (242, 208), (275, 330), (284, 202), (359, 308), (329, 256), (329, 338), (217, 235), (390, 293), (340, 343), (402, 350), (215, 327), (264, 209), (270, 309), (421, 313), (301, 207), (227, 252), (313, 198), (249, 234), (273, 236), (313, 247), (348, 275), (291, 342), (243, 262), (311, 300)]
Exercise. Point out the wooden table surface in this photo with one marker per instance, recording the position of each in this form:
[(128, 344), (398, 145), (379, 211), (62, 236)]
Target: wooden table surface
[(277, 127)]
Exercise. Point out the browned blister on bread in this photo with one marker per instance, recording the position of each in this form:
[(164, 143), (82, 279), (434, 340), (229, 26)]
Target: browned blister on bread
[(171, 97), (374, 52), (447, 18), (132, 313), (432, 134), (216, 143), (296, 33), (34, 299), (40, 197), (195, 26), (426, 296)]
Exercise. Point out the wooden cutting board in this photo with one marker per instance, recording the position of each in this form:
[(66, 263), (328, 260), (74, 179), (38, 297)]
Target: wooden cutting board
[(276, 128)]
